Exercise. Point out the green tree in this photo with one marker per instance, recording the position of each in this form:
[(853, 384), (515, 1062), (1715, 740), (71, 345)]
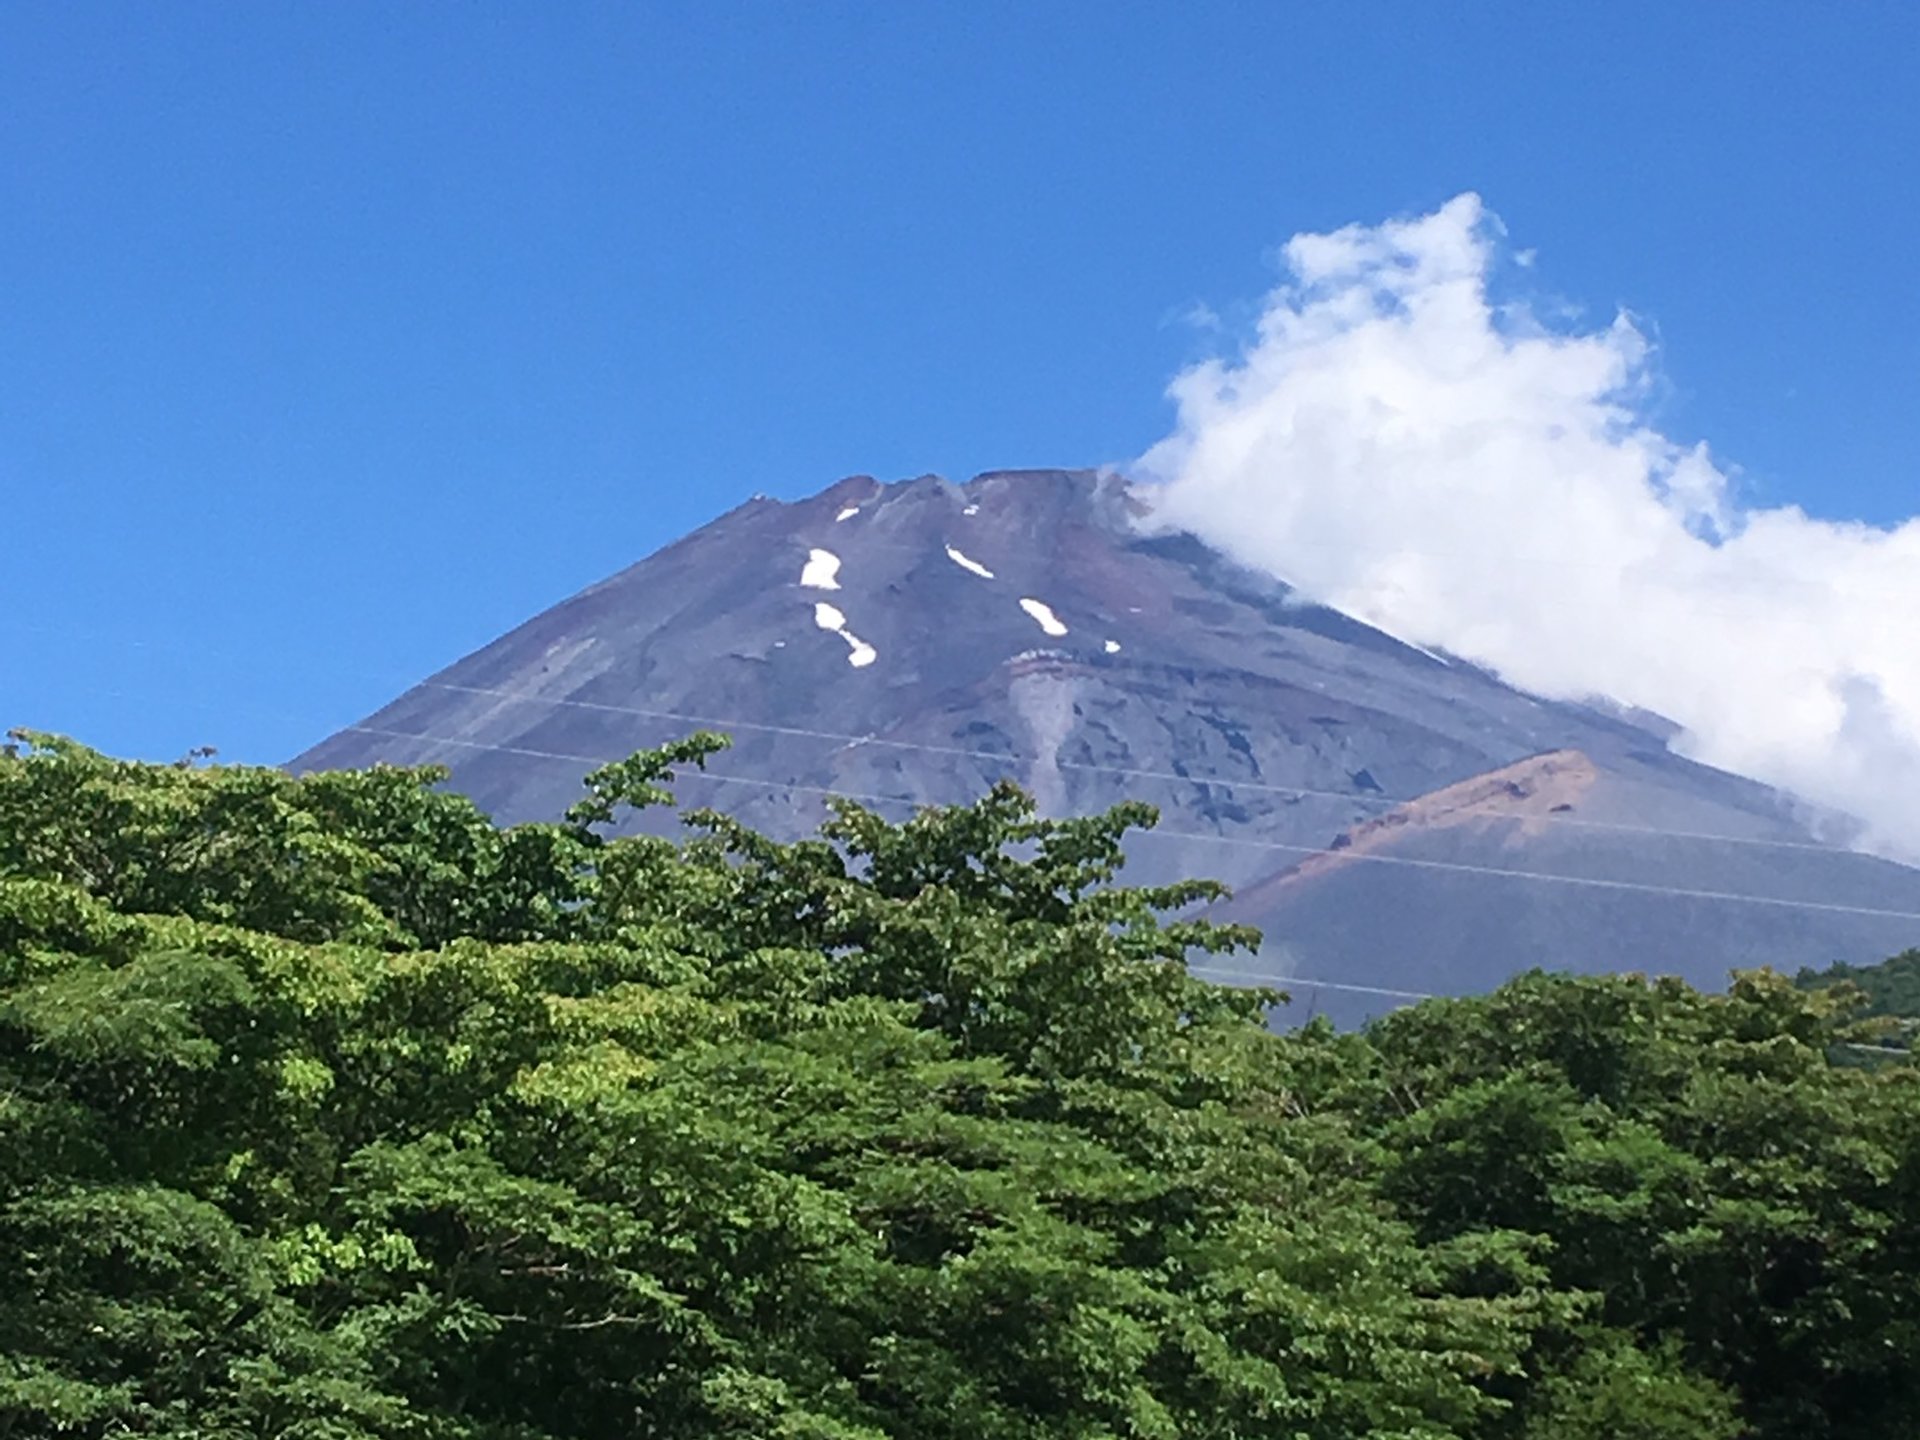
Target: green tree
[(331, 1110), (328, 1109), (1694, 1165)]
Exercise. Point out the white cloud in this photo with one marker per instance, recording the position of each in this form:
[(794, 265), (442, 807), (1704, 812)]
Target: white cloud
[(1197, 316), (1482, 478)]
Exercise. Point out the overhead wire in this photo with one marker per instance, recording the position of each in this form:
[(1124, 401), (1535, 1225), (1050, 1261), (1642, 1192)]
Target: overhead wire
[(1227, 973), (1357, 799), (1350, 798), (1347, 855), (1282, 980), (1224, 972), (1290, 982), (849, 740)]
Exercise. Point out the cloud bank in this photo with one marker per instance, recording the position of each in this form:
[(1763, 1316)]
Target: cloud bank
[(1477, 477)]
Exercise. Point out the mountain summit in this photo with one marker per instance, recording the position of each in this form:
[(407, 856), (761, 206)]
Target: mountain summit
[(1394, 819)]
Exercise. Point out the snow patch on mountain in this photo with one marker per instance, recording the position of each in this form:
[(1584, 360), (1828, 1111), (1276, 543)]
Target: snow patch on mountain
[(1043, 616), (818, 572), (966, 563), (830, 617)]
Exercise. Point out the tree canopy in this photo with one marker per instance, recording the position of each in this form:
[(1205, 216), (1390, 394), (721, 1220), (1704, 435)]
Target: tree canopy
[(330, 1110), (1889, 991)]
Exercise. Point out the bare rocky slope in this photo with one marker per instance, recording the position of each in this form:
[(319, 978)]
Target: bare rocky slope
[(1395, 820)]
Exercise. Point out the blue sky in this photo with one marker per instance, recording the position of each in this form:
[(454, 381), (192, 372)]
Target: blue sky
[(335, 340)]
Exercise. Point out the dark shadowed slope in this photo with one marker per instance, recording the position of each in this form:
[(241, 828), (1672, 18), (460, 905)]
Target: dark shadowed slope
[(912, 643)]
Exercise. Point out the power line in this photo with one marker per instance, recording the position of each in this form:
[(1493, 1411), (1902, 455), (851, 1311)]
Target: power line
[(1085, 766), (1642, 887), (901, 800), (1297, 981), (1079, 766), (1346, 856), (596, 761), (1224, 972), (1301, 980)]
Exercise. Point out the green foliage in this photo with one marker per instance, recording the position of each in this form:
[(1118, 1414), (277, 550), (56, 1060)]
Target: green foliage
[(1890, 988), (328, 1109), (1888, 993), (1696, 1165)]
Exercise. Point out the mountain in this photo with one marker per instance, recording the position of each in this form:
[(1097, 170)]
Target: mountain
[(1395, 820)]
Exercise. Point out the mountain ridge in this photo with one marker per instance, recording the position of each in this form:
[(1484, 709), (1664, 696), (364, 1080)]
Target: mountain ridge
[(914, 642)]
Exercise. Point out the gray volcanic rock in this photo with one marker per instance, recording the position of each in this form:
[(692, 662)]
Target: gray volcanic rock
[(912, 643)]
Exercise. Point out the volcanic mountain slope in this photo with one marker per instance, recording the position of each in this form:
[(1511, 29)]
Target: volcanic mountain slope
[(913, 643)]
